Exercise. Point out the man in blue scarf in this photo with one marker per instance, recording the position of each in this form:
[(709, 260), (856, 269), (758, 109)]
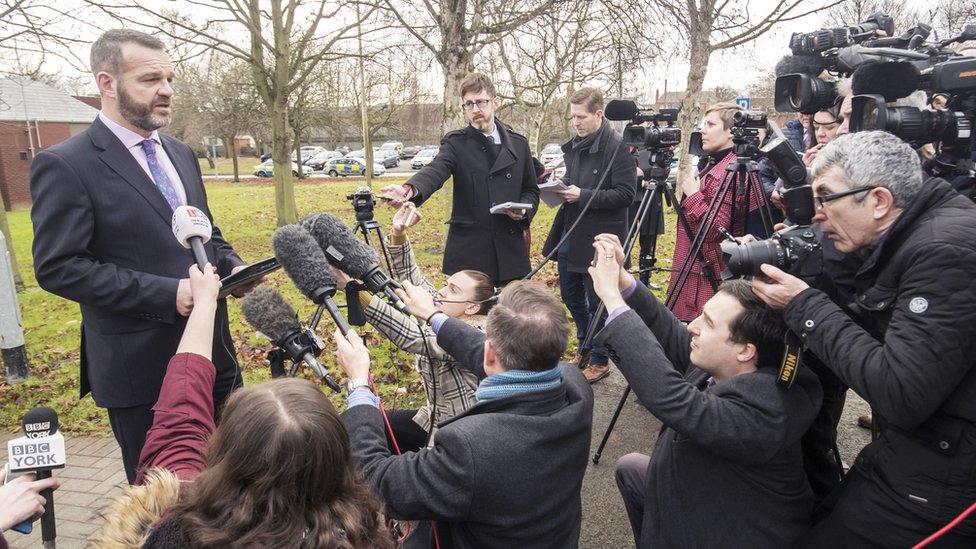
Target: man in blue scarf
[(508, 471)]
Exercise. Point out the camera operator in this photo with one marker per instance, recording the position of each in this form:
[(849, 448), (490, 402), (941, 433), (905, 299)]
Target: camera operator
[(508, 471), (731, 433), (490, 164), (907, 348), (466, 296), (698, 192), (277, 472), (596, 148)]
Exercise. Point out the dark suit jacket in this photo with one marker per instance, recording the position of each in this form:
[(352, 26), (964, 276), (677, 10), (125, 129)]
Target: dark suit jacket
[(476, 239), (505, 473), (608, 211), (103, 237), (727, 469)]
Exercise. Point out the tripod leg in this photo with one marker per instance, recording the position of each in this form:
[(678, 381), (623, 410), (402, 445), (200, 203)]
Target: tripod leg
[(386, 253), (613, 423)]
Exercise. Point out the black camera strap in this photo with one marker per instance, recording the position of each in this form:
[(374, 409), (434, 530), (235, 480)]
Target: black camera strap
[(792, 356)]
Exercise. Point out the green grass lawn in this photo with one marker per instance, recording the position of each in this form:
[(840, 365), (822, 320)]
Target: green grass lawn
[(245, 214)]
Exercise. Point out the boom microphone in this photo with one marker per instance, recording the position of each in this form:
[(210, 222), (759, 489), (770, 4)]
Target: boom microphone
[(40, 450), (351, 256), (308, 268), (810, 65), (620, 109), (893, 80), (192, 228), (270, 314)]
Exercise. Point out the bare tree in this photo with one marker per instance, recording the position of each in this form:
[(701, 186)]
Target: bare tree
[(712, 25), (852, 12), (455, 31), (286, 41)]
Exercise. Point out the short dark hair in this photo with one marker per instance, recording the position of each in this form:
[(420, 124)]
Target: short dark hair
[(591, 98), (106, 52), (528, 327), (484, 289), (758, 323), (475, 82)]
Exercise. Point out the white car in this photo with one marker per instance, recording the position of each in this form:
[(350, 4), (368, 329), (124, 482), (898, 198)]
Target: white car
[(551, 153), (423, 158)]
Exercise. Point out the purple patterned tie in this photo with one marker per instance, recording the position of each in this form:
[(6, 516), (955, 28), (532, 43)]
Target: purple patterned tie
[(159, 176)]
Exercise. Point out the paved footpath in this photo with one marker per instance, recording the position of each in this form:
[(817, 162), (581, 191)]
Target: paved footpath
[(92, 477)]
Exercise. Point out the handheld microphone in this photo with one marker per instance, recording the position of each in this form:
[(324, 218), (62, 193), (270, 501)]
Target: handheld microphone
[(351, 256), (308, 268), (40, 450), (270, 314), (192, 228)]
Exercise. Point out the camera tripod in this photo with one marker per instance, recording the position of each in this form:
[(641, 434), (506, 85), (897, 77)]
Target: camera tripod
[(741, 177)]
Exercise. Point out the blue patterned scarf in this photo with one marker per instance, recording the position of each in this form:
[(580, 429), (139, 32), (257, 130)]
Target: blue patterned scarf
[(518, 382)]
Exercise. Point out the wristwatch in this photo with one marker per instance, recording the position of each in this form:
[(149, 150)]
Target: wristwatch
[(356, 383)]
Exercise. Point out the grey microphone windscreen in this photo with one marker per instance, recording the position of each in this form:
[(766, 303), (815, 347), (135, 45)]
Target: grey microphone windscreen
[(303, 260), (328, 230), (268, 312)]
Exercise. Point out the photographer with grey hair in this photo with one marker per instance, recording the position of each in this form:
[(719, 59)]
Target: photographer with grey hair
[(905, 344)]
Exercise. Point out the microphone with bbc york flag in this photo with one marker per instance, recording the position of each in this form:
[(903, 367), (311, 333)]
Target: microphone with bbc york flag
[(192, 229), (351, 256), (306, 265), (268, 312), (39, 451)]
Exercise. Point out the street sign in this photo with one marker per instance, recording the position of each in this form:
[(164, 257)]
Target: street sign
[(744, 102)]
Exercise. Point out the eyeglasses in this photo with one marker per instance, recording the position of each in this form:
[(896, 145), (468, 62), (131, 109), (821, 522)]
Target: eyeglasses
[(823, 200), (481, 103)]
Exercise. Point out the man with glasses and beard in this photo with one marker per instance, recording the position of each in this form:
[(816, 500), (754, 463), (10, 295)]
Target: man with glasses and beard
[(491, 165), (102, 215)]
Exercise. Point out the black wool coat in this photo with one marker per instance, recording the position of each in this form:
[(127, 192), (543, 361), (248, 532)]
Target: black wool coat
[(505, 473), (476, 239), (608, 211)]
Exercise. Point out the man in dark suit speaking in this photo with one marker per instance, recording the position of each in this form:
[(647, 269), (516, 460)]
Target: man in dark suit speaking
[(102, 213)]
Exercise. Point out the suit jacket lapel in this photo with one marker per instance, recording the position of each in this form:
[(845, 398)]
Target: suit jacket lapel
[(506, 157), (121, 161)]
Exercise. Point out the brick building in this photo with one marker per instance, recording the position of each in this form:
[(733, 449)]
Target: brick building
[(33, 116)]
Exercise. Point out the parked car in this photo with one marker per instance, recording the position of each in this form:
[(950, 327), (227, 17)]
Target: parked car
[(266, 169), (351, 166), (550, 153), (307, 152), (318, 161), (392, 147), (410, 152), (389, 158), (555, 169), (423, 158)]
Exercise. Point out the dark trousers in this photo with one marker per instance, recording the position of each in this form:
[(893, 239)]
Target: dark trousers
[(577, 292), (631, 475), (819, 443), (863, 513), (410, 437), (130, 425)]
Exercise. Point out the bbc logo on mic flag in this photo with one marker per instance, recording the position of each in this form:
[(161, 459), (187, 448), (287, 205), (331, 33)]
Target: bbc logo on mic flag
[(36, 453)]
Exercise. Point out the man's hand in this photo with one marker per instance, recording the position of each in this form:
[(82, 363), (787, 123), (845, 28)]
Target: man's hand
[(184, 297), (606, 274), (351, 354), (691, 185), (341, 278), (777, 288), (810, 154), (205, 286), (570, 194), (777, 199), (517, 215), (393, 195), (20, 499), (243, 290), (625, 279), (419, 302), (407, 216)]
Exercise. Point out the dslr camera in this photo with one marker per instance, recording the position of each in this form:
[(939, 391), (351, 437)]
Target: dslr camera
[(362, 203)]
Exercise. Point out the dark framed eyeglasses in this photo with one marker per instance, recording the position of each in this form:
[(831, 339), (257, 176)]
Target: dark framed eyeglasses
[(481, 103), (823, 200)]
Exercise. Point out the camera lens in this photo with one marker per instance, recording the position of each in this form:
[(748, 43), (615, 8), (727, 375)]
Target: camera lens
[(745, 259)]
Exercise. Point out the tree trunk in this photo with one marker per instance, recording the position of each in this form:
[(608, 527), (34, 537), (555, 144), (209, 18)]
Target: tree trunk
[(18, 281), (285, 207), (233, 156), (457, 63), (298, 153), (691, 106)]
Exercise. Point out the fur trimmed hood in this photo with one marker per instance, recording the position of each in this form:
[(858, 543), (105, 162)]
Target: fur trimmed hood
[(131, 517)]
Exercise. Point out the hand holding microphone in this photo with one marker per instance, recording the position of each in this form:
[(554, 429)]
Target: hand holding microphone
[(39, 451)]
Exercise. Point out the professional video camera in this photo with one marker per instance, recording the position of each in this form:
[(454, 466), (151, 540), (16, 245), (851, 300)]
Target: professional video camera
[(362, 202), (823, 40), (951, 129), (654, 144), (796, 248)]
